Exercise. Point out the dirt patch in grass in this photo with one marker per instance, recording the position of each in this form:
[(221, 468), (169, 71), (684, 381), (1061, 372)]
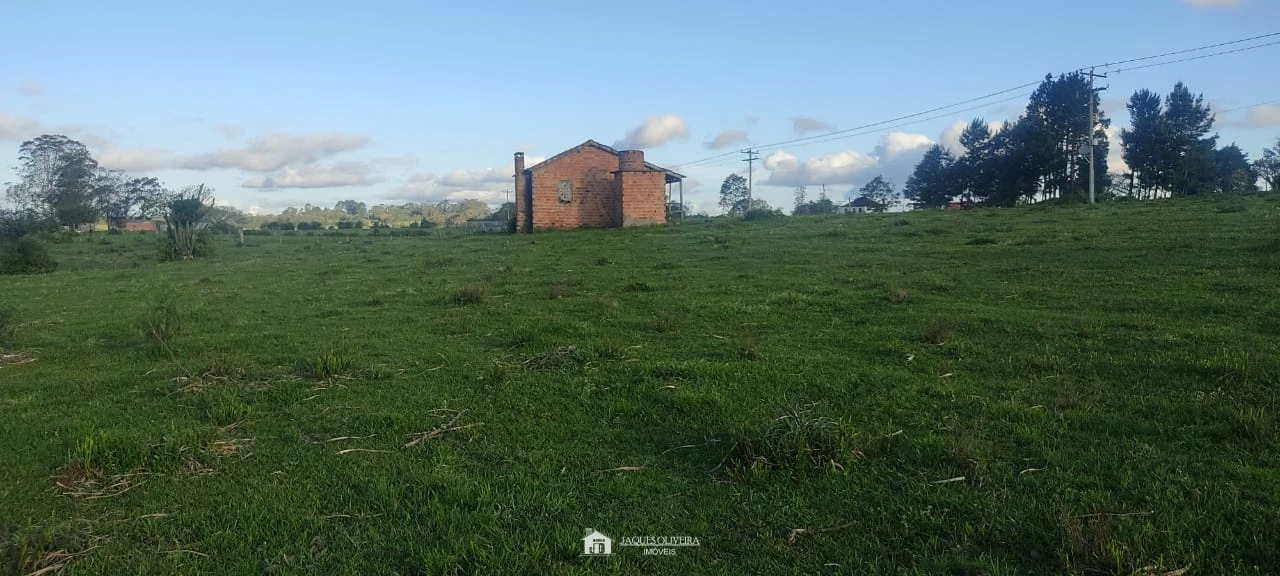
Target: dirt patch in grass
[(15, 359)]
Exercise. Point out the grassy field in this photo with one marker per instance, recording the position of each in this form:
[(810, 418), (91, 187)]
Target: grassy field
[(1022, 391)]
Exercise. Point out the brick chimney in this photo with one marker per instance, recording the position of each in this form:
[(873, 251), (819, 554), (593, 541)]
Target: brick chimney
[(640, 189), (522, 205)]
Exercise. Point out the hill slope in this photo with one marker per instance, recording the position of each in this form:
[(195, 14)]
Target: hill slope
[(1021, 391)]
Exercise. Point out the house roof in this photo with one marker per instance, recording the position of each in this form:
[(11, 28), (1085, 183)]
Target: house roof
[(672, 176), (593, 533)]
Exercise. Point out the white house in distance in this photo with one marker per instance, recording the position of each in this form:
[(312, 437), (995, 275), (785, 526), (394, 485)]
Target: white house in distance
[(860, 205), (596, 544)]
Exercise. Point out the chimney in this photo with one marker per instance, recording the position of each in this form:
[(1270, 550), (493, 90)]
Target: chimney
[(521, 206), (631, 161)]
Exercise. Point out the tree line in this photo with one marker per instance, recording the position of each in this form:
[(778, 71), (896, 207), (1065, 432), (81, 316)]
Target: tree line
[(1042, 155)]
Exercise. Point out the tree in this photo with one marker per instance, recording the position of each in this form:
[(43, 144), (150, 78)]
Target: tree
[(57, 180), (1268, 166), (1058, 113), (1188, 151), (186, 218), (801, 197), (228, 220), (1143, 142), (734, 194), (1235, 175), (932, 184), (122, 199), (880, 192), (822, 205), (974, 169), (351, 207)]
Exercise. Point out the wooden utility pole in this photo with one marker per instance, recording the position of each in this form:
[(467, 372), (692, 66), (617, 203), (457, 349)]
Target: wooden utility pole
[(1093, 123), (750, 160)]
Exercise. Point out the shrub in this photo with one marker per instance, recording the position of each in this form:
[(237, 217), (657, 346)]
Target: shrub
[(473, 294), (797, 438), (327, 365), (759, 214), (163, 320), (937, 332), (25, 255)]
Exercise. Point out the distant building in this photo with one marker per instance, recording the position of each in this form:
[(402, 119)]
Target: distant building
[(592, 186), (861, 205), (140, 226)]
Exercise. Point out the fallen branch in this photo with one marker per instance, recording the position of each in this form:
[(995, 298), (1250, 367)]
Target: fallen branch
[(791, 538), (950, 480), (442, 429), (1114, 515), (350, 438), (350, 450), (624, 469)]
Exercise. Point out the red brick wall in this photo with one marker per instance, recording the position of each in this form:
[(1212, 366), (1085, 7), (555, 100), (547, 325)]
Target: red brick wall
[(594, 203), (644, 197)]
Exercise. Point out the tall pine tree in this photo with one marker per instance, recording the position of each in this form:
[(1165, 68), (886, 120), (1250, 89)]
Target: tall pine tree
[(933, 183)]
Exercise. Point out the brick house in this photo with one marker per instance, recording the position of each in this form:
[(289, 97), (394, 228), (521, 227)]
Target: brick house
[(592, 186), (140, 226)]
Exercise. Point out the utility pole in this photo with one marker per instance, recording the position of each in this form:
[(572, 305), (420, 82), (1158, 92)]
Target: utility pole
[(750, 160), (1093, 123)]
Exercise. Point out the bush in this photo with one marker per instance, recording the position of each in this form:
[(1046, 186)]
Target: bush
[(25, 255), (758, 214), (163, 320), (796, 439), (473, 294), (203, 246)]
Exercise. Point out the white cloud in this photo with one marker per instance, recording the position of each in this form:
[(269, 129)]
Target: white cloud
[(896, 143), (31, 89), (316, 176), (726, 139), (802, 125), (476, 179), (489, 185), (277, 151), (893, 157), (13, 128), (839, 168), (1213, 3), (653, 132), (1264, 115), (133, 159), (1115, 151)]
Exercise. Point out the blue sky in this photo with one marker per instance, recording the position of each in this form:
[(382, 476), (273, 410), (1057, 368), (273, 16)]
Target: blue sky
[(276, 104)]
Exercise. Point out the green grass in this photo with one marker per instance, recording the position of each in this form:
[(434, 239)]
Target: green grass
[(1024, 391)]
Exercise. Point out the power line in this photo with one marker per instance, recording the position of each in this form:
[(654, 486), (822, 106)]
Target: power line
[(1175, 53), (1223, 53), (871, 125), (1238, 108), (863, 129)]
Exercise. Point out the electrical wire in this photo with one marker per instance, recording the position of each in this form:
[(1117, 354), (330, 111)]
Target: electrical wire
[(1178, 52), (1203, 56), (863, 129)]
